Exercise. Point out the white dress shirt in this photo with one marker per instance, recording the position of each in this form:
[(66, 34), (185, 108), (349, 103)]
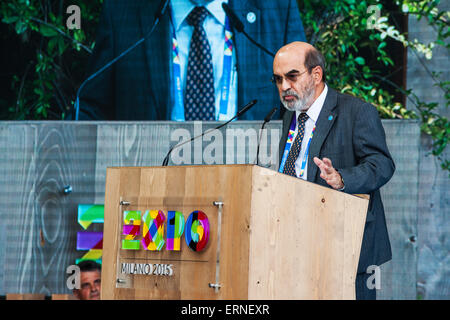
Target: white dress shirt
[(313, 114), (214, 26)]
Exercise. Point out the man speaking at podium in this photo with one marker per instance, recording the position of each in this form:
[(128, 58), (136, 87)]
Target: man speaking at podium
[(334, 140), (196, 56)]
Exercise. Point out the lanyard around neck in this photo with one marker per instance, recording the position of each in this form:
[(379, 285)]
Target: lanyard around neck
[(178, 111)]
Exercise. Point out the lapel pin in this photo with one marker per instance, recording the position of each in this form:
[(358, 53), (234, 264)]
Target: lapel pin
[(330, 118), (251, 17)]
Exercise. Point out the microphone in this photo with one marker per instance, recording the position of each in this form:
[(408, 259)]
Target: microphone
[(266, 120), (244, 110), (159, 13), (239, 26)]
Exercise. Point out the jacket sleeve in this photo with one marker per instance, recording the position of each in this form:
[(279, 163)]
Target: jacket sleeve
[(375, 165)]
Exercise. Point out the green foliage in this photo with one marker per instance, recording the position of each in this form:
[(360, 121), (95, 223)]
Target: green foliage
[(355, 55), (358, 62), (45, 90)]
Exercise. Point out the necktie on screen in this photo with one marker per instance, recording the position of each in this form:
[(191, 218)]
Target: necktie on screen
[(289, 168), (199, 96)]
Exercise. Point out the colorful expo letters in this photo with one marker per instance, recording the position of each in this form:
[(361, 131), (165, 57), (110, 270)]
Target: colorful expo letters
[(86, 240), (151, 226)]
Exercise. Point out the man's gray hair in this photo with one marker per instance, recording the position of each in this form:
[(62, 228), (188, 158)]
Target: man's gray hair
[(314, 58)]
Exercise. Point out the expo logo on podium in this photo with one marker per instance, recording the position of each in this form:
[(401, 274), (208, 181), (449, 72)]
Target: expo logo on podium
[(150, 226)]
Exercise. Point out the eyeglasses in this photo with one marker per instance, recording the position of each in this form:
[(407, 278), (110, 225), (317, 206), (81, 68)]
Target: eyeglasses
[(290, 76)]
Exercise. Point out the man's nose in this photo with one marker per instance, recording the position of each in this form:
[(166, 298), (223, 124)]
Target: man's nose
[(285, 85)]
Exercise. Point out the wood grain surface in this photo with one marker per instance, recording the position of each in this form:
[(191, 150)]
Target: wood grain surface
[(270, 248)]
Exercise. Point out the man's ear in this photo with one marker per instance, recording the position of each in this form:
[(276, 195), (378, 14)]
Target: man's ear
[(317, 74)]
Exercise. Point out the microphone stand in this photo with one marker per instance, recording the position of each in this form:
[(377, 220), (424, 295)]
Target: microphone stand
[(266, 120), (246, 107), (239, 26)]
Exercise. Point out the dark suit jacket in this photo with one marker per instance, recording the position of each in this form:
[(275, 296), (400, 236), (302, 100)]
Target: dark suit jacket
[(350, 133), (138, 86)]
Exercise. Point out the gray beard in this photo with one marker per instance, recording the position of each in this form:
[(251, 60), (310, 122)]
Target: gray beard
[(301, 104)]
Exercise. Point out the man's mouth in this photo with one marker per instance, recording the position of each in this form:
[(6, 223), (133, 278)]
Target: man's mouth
[(289, 98)]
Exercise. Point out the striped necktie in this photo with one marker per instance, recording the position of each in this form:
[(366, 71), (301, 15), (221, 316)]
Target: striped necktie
[(289, 168), (199, 100)]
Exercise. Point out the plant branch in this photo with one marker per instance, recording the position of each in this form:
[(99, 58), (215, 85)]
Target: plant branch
[(62, 33), (22, 83)]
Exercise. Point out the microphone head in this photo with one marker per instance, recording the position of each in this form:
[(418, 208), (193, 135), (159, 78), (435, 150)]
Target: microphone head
[(235, 21), (246, 108), (270, 114), (162, 9)]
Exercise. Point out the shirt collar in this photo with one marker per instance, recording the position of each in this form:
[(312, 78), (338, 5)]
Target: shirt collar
[(314, 111), (182, 8)]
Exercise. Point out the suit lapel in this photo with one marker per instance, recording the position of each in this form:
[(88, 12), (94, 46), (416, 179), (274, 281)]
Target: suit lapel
[(326, 119), (158, 54), (242, 8)]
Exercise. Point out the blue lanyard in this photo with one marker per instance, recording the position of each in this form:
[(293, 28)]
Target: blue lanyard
[(178, 109), (287, 148)]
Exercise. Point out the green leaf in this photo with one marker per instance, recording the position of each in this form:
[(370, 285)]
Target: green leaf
[(9, 20), (20, 27), (52, 44), (61, 45), (382, 45), (38, 91), (360, 60), (47, 31)]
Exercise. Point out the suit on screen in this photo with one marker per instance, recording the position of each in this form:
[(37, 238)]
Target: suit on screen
[(138, 86)]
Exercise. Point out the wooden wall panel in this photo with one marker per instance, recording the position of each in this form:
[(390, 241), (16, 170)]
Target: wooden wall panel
[(17, 174), (39, 161), (400, 194), (433, 266)]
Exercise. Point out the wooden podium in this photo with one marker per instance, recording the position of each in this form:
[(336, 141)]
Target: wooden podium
[(269, 235)]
